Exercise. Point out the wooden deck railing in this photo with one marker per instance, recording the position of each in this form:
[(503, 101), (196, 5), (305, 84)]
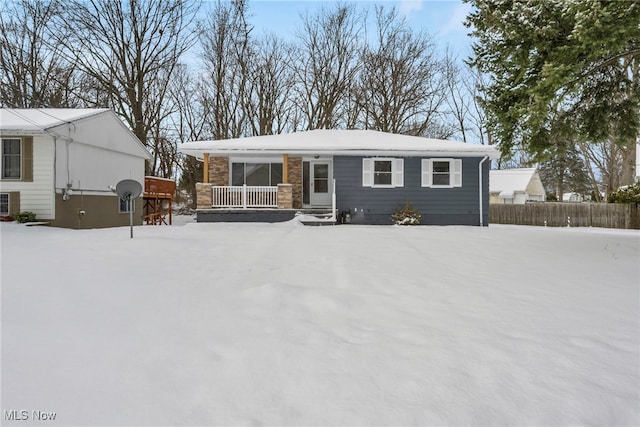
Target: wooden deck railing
[(245, 196), (158, 200)]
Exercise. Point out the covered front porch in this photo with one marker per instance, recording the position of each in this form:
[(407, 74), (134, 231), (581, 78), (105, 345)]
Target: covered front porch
[(265, 187)]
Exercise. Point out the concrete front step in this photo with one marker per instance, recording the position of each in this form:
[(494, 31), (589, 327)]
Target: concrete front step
[(316, 217)]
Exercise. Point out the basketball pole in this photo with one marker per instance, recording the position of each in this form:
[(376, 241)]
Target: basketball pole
[(130, 216)]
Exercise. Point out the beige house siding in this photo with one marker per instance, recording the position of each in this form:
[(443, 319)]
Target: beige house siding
[(535, 189), (494, 198)]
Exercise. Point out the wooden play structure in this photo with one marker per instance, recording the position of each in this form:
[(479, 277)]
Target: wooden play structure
[(158, 200)]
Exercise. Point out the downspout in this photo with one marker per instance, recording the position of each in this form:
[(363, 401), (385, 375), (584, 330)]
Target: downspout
[(480, 189), (55, 164), (333, 203)]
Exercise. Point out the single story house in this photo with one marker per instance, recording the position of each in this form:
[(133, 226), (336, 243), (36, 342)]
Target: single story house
[(360, 175), (516, 186), (62, 163)]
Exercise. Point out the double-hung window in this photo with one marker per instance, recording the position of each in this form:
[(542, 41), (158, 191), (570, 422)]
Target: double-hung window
[(11, 158), (9, 203), (382, 172), (16, 159), (442, 173), (256, 174), (4, 204)]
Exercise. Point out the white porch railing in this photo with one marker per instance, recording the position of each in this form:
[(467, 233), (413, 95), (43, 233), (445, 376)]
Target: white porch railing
[(244, 196)]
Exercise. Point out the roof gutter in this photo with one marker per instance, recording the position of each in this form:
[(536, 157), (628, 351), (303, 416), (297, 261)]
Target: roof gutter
[(22, 132), (480, 189), (199, 154)]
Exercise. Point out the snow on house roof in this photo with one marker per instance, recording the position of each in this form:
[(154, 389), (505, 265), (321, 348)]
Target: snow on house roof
[(344, 142), (41, 119), (510, 180), (49, 121)]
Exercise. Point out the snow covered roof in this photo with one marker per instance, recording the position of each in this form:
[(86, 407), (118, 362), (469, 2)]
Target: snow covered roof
[(344, 142), (106, 129), (40, 119), (510, 180)]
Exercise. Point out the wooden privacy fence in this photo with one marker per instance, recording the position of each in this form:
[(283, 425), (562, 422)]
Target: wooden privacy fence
[(609, 215)]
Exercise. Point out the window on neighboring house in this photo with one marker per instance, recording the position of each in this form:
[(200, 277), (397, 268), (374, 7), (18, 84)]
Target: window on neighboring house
[(4, 204), (258, 174), (11, 158), (124, 205), (9, 203), (441, 173), (382, 172)]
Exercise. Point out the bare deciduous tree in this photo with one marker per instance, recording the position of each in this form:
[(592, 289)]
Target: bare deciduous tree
[(129, 49), (458, 97), (474, 85), (401, 83), (268, 106), (604, 163), (189, 123), (32, 73), (326, 65), (464, 86), (225, 52)]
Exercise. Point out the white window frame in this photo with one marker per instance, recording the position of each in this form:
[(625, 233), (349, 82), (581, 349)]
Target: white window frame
[(455, 173), (2, 156), (368, 172)]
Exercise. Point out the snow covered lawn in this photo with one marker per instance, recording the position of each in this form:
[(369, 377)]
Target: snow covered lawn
[(281, 324)]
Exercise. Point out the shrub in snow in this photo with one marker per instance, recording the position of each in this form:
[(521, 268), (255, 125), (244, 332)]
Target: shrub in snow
[(25, 216), (406, 215), (628, 194)]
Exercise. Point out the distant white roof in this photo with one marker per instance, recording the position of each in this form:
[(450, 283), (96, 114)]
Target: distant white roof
[(41, 119), (343, 142), (510, 180)]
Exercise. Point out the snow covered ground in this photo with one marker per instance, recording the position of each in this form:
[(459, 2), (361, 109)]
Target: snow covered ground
[(281, 324)]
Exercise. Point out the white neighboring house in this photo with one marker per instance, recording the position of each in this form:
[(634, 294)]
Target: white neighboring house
[(515, 186), (572, 197), (60, 164)]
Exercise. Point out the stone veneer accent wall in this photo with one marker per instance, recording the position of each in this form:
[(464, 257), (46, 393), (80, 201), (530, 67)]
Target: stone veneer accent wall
[(219, 170), (294, 165), (203, 196), (285, 193)]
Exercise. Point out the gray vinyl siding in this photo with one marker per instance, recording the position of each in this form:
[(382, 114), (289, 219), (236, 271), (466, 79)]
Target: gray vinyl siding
[(438, 206)]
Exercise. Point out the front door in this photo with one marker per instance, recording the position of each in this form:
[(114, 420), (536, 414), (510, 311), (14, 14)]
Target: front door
[(320, 183)]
